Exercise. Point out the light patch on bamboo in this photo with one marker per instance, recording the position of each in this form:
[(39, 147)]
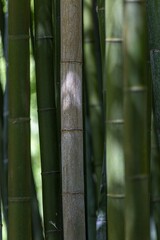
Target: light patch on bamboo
[(70, 87)]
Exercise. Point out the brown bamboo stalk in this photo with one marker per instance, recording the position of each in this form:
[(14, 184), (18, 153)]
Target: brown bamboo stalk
[(71, 120)]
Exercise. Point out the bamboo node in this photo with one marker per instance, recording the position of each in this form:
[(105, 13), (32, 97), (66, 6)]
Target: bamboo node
[(19, 199), (134, 1), (19, 120), (114, 40), (115, 121), (138, 177), (71, 61), (51, 231), (135, 89), (46, 109), (73, 193), (49, 172), (116, 196), (72, 129), (19, 37), (45, 37)]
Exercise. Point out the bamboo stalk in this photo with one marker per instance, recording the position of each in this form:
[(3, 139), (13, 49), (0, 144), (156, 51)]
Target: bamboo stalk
[(155, 179), (101, 20), (1, 154), (137, 214), (47, 117), (102, 228), (56, 24), (114, 119), (91, 76), (19, 192), (2, 22), (89, 175), (153, 8), (71, 120), (4, 164)]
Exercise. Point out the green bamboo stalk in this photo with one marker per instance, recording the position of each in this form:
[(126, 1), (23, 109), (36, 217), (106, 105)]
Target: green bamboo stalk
[(2, 21), (155, 179), (47, 117), (19, 192), (1, 153), (71, 120), (5, 122), (101, 20), (153, 10), (89, 175), (91, 76), (37, 230), (102, 203), (137, 214), (5, 155), (56, 24), (1, 116), (114, 119)]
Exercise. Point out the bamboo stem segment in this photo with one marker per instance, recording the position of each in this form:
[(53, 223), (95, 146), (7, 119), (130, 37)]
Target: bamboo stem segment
[(71, 121), (137, 215), (19, 189)]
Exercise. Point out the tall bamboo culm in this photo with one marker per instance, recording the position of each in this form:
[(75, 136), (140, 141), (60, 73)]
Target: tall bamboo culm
[(1, 153), (155, 180), (114, 119), (71, 121), (93, 121), (47, 118), (19, 189), (101, 20), (137, 214), (153, 12)]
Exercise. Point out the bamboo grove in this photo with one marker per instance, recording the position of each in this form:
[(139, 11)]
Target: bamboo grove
[(93, 67)]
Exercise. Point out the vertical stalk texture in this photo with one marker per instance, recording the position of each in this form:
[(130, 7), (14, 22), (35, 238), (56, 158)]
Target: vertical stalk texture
[(136, 123), (19, 193), (47, 117), (91, 79), (114, 119), (155, 180), (153, 10), (92, 121), (101, 20), (71, 120), (1, 154)]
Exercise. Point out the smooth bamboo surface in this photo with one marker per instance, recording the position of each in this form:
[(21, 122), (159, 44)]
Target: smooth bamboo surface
[(137, 204), (114, 119), (47, 118), (19, 181)]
